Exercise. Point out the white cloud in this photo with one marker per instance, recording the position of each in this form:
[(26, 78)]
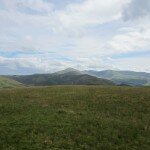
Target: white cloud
[(31, 25), (134, 63), (131, 41), (91, 12), (26, 5)]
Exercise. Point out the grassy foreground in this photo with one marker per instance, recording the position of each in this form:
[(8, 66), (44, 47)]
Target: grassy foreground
[(75, 118)]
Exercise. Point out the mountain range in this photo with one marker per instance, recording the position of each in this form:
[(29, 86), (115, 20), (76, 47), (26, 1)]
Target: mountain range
[(65, 77), (123, 77), (72, 76)]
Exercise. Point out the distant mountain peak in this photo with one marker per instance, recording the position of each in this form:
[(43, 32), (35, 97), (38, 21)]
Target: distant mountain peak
[(69, 76), (69, 70)]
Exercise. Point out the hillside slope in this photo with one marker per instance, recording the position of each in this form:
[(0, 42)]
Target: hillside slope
[(8, 83), (64, 77), (123, 77)]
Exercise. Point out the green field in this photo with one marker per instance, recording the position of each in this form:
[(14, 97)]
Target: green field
[(75, 118)]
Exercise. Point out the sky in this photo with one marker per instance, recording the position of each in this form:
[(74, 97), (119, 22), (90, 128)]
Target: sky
[(44, 36)]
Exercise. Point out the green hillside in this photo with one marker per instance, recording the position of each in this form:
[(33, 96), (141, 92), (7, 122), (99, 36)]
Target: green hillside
[(8, 83), (65, 77), (75, 118)]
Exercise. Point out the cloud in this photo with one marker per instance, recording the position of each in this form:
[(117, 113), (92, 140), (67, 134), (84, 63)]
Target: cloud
[(134, 64), (87, 33), (26, 65), (45, 63), (66, 27), (137, 9), (28, 6), (91, 12), (131, 41)]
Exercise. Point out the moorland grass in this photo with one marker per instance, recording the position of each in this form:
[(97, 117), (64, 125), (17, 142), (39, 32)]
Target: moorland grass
[(75, 118), (9, 83)]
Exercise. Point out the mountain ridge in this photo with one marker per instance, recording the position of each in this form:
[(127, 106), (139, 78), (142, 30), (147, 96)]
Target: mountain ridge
[(131, 78), (68, 76), (71, 76)]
